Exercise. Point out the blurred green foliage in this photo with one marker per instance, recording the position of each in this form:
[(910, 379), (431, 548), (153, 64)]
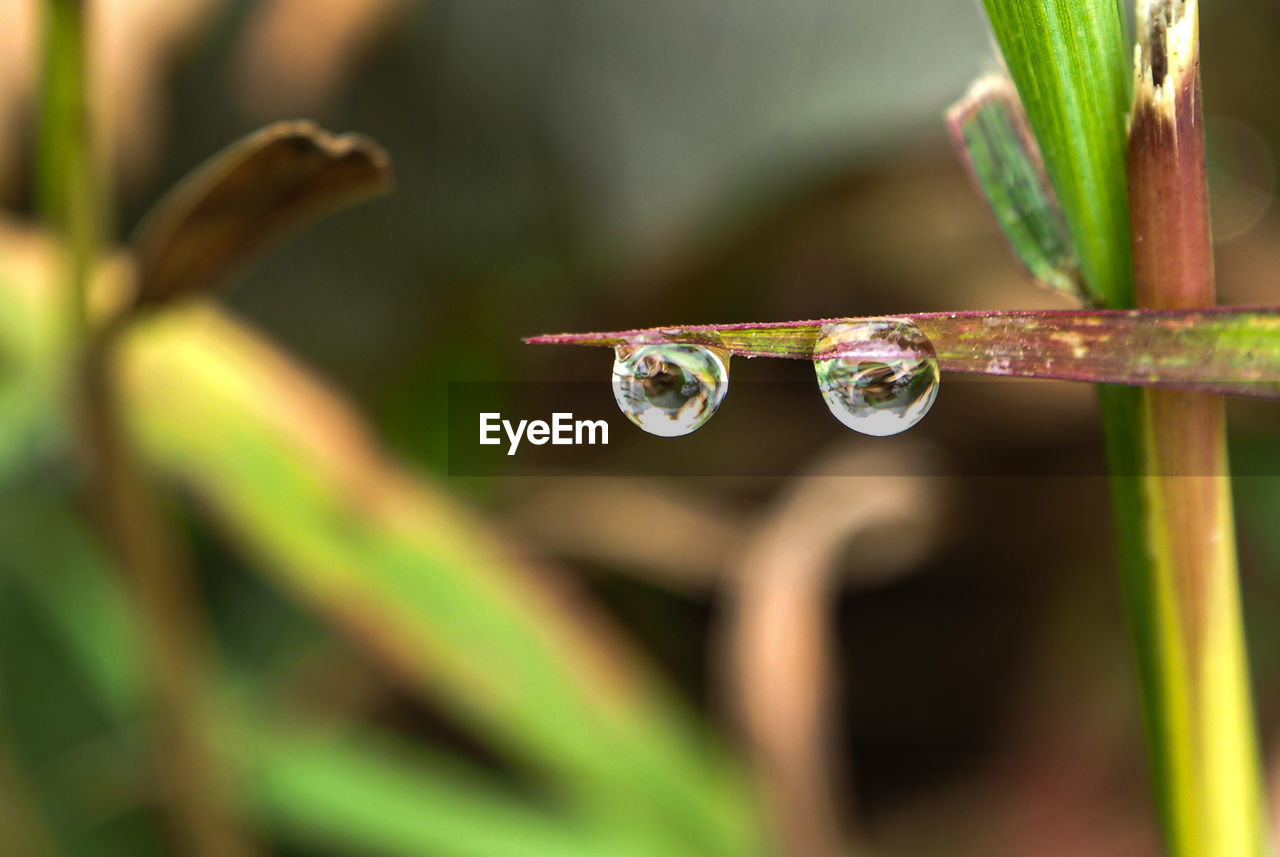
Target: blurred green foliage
[(561, 165)]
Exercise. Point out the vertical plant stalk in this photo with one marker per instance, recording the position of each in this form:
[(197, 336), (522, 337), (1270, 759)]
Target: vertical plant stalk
[(66, 186), (1190, 633), (1174, 531), (68, 197)]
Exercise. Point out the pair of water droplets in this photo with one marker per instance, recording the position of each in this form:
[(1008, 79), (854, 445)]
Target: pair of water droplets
[(878, 377)]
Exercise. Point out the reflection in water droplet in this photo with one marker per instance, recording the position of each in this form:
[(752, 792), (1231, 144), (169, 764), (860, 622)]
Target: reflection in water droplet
[(669, 390), (888, 380)]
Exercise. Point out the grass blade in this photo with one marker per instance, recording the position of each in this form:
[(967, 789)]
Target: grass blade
[(989, 128), (365, 793), (300, 485), (1068, 59), (373, 796), (64, 573), (1234, 351), (294, 477)]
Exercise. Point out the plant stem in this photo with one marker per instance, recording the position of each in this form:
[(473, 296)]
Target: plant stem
[(66, 188), (1166, 450), (1190, 629), (68, 198)]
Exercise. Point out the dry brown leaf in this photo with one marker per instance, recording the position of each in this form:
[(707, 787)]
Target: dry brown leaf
[(248, 198)]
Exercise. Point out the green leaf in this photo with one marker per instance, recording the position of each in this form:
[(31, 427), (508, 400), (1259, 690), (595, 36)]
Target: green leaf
[(65, 574), (989, 128), (1070, 62), (303, 489), (364, 793), (370, 795), (69, 670), (299, 485)]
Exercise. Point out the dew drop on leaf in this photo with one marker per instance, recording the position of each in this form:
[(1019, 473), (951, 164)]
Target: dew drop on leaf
[(669, 390), (878, 377)]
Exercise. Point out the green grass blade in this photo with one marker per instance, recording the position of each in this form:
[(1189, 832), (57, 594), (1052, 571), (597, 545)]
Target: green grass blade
[(1070, 62), (63, 571), (1234, 351), (66, 683), (373, 796), (989, 128), (361, 794), (303, 489), (294, 478)]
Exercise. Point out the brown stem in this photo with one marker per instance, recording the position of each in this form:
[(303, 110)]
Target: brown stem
[(1173, 269), (1168, 187), (1202, 732)]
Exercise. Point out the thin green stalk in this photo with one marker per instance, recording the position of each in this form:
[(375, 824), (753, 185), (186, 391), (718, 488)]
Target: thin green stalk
[(66, 187), (193, 783)]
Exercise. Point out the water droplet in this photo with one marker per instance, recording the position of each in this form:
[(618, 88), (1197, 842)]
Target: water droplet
[(886, 382), (669, 390)]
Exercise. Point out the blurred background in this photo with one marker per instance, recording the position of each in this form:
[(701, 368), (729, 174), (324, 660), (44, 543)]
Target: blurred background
[(375, 658)]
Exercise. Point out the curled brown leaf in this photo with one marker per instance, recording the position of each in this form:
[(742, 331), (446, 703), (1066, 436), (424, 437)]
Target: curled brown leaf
[(249, 198)]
